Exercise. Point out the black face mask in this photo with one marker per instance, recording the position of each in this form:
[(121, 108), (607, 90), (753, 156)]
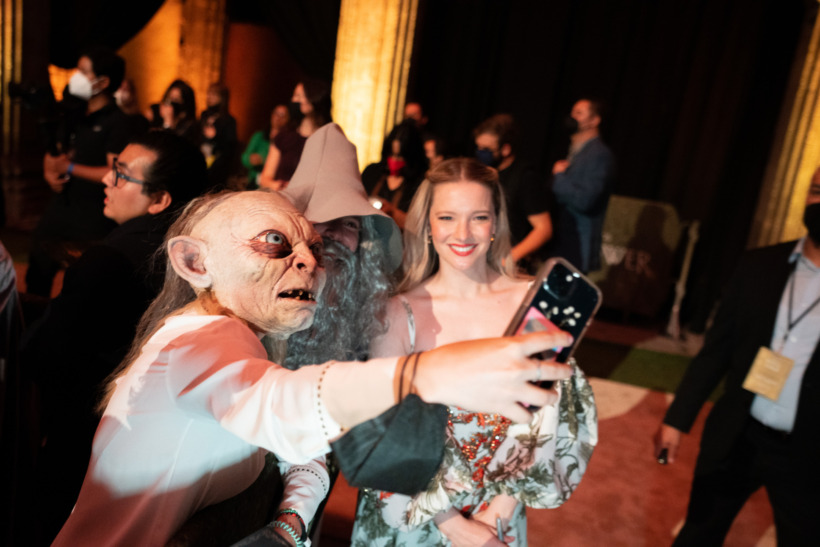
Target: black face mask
[(486, 157), (571, 124), (295, 111), (811, 219)]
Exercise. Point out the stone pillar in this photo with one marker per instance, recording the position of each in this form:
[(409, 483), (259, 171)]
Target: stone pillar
[(201, 45), (374, 45), (11, 69), (795, 153)]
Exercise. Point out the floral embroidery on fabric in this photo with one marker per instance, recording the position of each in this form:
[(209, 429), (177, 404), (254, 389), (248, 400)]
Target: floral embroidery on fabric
[(481, 442)]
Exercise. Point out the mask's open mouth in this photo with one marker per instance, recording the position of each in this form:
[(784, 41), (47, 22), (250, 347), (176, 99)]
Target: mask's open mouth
[(298, 294)]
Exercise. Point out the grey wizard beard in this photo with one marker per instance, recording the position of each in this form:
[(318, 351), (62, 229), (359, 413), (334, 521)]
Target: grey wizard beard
[(350, 311)]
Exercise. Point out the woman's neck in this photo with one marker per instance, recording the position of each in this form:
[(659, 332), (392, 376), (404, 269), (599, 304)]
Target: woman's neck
[(463, 282)]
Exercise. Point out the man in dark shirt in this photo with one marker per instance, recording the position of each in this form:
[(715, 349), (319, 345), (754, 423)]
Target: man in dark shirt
[(74, 217), (527, 195)]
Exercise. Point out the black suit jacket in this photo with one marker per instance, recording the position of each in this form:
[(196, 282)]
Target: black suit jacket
[(744, 322)]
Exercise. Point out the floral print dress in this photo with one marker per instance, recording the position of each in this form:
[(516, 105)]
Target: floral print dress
[(540, 464)]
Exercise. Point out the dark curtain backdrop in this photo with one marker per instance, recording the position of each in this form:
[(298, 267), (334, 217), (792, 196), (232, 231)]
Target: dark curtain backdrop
[(77, 24), (308, 29), (693, 92)]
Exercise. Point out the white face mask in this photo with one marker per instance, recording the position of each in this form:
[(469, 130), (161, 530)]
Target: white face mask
[(80, 86)]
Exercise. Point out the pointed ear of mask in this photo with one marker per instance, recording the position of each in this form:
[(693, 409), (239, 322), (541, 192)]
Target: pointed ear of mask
[(187, 256)]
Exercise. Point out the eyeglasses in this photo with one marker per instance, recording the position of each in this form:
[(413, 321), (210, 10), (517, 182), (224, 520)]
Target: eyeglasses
[(123, 176)]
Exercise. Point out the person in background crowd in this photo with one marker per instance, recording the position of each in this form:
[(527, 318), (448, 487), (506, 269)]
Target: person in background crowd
[(257, 150), (126, 97), (528, 200), (309, 110), (74, 217), (177, 112), (435, 149), (582, 184), (219, 141), (393, 181)]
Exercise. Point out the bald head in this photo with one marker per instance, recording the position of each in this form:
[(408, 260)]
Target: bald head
[(256, 257)]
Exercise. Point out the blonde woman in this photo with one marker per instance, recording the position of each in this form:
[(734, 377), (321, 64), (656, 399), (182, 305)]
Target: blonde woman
[(458, 285)]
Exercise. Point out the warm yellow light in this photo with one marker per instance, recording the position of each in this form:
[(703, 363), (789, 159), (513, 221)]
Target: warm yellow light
[(795, 157), (152, 56), (373, 49)]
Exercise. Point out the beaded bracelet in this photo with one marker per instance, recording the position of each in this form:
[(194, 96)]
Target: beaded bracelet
[(320, 407), (290, 531), (295, 513)]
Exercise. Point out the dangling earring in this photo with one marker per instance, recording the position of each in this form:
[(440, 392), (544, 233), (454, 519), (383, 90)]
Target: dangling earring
[(429, 239)]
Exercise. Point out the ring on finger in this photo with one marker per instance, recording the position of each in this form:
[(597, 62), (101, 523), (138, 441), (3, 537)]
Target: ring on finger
[(538, 373)]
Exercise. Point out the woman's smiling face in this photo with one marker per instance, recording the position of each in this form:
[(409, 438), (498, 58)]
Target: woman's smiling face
[(462, 224)]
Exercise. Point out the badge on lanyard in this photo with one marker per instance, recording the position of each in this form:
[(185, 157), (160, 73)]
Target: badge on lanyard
[(768, 373), (770, 369)]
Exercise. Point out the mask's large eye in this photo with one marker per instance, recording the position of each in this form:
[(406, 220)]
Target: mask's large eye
[(275, 237), (272, 243)]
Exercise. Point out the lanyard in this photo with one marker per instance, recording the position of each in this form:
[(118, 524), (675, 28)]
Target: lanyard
[(792, 324)]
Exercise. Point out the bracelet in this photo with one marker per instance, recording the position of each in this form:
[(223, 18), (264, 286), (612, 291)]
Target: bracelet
[(320, 407), (295, 513), (70, 169), (290, 531)]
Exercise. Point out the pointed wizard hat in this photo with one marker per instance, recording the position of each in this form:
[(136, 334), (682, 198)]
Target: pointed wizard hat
[(327, 185)]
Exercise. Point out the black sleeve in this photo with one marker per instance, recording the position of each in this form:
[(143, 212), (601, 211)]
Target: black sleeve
[(535, 196)]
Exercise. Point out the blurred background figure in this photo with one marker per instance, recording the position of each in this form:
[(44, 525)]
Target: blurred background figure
[(253, 159), (309, 110), (73, 219), (177, 111), (126, 97), (582, 184), (392, 182), (219, 141), (435, 149), (527, 196)]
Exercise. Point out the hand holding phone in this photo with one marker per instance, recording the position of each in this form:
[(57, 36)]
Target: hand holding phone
[(560, 299)]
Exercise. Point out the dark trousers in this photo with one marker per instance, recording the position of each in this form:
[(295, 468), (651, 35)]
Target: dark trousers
[(761, 457)]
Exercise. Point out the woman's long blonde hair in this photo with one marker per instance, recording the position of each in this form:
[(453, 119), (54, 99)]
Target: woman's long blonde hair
[(420, 261)]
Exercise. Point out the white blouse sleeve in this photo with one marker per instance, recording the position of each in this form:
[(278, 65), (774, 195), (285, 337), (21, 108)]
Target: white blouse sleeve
[(305, 487), (221, 370)]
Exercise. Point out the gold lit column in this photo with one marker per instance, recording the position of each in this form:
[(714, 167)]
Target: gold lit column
[(201, 45), (373, 49), (11, 57), (795, 156)]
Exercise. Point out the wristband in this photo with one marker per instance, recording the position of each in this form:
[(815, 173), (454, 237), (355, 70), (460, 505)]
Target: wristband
[(295, 513), (70, 169), (290, 531)]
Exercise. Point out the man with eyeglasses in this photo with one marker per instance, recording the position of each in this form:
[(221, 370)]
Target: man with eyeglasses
[(87, 329)]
